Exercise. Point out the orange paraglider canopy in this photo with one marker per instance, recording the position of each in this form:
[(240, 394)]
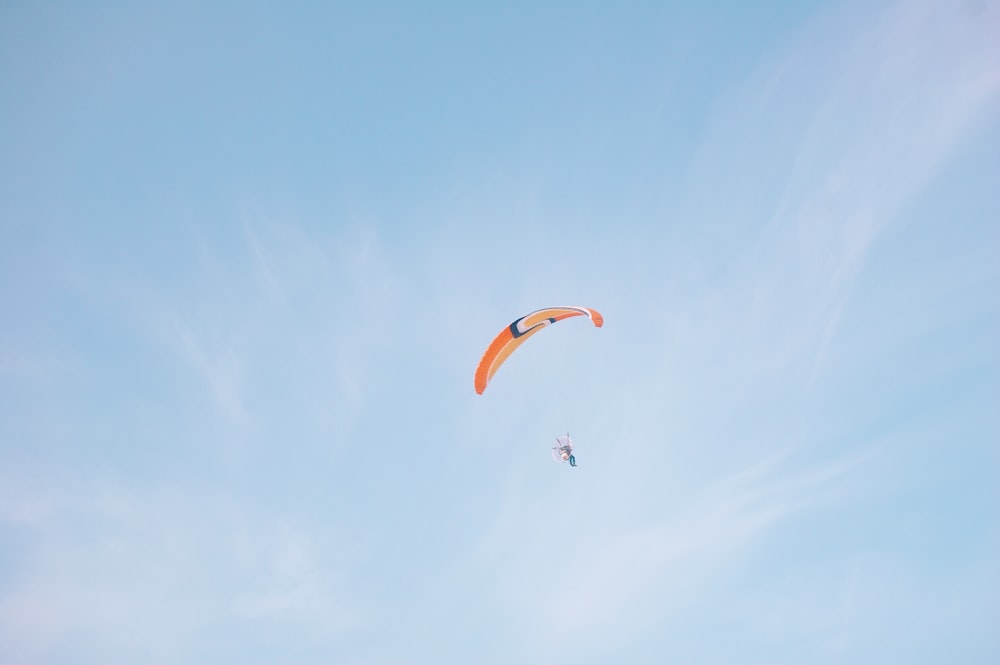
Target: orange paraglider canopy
[(517, 332)]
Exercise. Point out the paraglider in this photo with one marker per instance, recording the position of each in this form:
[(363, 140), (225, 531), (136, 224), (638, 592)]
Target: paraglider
[(563, 450), (511, 337), (520, 330)]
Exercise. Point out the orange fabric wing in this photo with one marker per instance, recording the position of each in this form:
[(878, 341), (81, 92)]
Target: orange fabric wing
[(520, 330)]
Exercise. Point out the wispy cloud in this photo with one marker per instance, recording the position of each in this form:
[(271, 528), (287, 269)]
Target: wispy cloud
[(574, 580), (222, 372), (277, 320), (803, 170), (126, 569), (904, 94)]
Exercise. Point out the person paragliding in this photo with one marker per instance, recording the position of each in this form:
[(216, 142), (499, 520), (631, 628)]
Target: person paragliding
[(512, 336), (563, 450)]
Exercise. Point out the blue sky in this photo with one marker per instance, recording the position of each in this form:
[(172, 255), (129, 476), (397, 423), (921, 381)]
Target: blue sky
[(252, 253)]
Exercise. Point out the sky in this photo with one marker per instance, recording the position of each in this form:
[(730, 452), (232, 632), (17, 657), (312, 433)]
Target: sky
[(252, 253)]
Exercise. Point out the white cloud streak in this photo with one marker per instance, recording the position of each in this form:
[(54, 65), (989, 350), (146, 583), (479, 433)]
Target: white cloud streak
[(122, 570)]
